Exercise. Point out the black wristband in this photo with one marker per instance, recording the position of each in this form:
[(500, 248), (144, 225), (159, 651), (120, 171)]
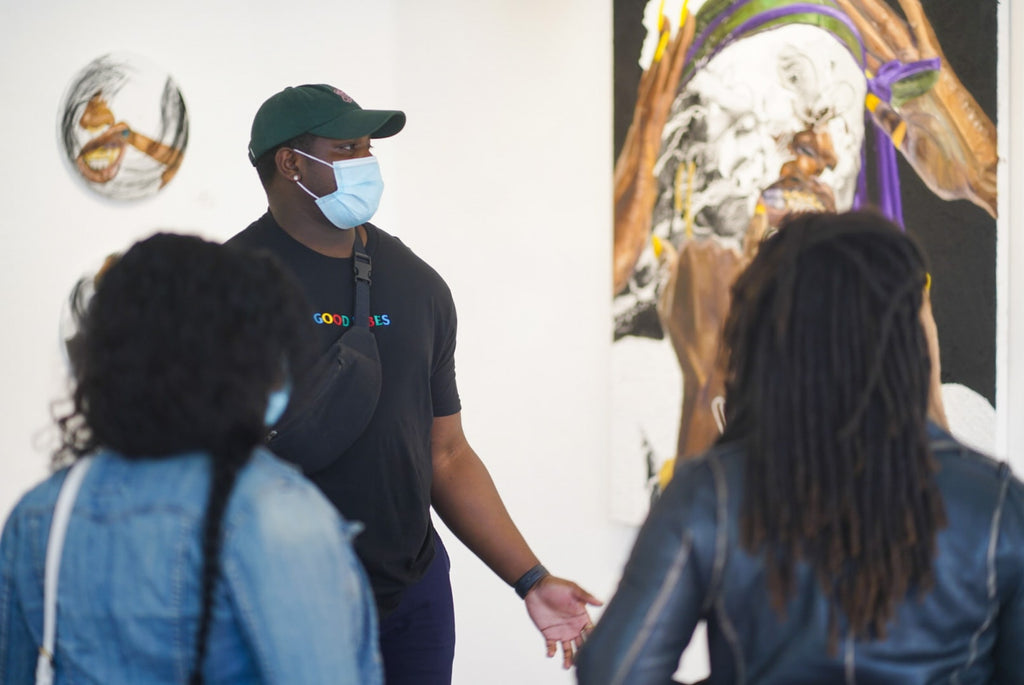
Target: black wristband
[(529, 579)]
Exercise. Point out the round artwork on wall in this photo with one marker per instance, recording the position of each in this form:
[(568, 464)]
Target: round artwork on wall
[(123, 126)]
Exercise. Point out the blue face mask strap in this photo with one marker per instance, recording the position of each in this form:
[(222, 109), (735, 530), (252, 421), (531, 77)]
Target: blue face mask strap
[(315, 159)]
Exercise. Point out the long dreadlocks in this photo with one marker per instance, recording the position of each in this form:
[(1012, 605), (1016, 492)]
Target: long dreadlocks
[(827, 381)]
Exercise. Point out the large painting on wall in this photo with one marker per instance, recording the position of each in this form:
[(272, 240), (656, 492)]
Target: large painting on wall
[(729, 114), (123, 126)]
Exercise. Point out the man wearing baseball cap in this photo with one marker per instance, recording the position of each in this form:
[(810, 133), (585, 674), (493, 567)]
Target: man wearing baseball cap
[(385, 442)]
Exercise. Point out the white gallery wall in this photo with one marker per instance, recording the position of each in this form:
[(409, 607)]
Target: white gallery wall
[(501, 180)]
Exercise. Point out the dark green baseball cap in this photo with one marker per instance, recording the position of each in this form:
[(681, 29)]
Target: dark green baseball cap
[(321, 110)]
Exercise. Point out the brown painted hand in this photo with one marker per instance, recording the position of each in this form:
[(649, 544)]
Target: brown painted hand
[(635, 186), (692, 309), (949, 140)]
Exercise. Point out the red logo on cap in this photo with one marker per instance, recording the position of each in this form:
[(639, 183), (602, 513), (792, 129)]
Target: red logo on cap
[(342, 94)]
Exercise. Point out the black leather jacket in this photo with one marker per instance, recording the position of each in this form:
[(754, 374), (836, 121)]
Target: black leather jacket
[(687, 566)]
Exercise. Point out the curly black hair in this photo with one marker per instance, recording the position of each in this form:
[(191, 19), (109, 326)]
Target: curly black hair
[(177, 351), (827, 381)]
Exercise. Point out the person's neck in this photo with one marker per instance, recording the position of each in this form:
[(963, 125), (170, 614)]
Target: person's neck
[(316, 233)]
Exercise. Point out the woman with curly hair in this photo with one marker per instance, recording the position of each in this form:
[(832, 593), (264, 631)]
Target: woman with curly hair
[(834, 534), (191, 554)]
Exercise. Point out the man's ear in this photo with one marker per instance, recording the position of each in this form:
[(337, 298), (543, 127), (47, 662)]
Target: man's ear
[(286, 162)]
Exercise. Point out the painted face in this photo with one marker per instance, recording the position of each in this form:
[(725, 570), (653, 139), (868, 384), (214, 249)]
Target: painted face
[(100, 158), (124, 126), (737, 123)]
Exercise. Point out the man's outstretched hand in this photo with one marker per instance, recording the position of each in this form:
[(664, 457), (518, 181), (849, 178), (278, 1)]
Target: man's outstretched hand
[(558, 608)]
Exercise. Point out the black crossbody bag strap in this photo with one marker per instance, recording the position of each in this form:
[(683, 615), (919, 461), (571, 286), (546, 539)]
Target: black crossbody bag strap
[(362, 266), (333, 402)]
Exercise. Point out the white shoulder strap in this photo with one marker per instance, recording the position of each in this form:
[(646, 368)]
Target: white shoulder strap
[(54, 548)]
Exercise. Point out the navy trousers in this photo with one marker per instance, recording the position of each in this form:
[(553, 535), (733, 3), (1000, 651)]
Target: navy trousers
[(417, 641)]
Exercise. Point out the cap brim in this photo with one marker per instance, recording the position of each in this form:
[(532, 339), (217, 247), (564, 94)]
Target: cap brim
[(376, 123)]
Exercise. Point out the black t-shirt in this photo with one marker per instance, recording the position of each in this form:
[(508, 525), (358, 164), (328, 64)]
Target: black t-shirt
[(384, 478)]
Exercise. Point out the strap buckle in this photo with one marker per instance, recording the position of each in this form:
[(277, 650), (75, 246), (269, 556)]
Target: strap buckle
[(361, 267)]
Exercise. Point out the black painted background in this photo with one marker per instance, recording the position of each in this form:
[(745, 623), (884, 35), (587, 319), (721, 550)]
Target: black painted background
[(959, 238)]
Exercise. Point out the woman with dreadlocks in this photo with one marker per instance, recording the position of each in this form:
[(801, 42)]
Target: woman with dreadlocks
[(833, 534), (191, 554)]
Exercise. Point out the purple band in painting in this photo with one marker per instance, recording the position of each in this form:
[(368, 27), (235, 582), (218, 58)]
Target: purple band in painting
[(888, 178), (766, 17), (890, 202), (894, 71), (698, 43)]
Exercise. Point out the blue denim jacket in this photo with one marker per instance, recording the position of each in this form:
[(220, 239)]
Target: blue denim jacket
[(293, 605), (688, 565)]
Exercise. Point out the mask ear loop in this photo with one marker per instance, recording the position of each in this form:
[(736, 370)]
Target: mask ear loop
[(296, 176), (308, 191)]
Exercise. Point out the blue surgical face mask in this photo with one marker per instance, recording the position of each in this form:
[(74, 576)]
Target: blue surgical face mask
[(276, 404), (359, 187)]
